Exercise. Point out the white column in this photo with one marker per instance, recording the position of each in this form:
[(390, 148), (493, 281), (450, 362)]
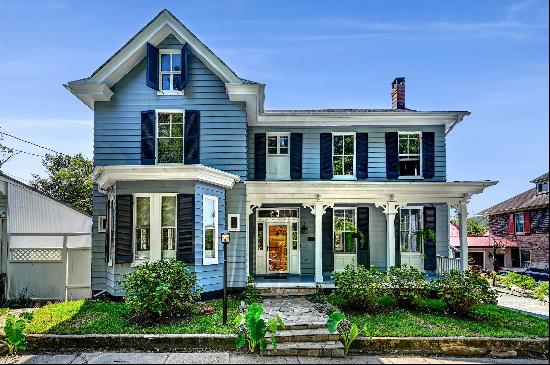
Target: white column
[(319, 211), (390, 209), (248, 211), (463, 229)]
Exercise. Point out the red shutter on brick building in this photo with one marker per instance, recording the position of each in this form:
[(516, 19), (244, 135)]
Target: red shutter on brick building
[(511, 225), (526, 222)]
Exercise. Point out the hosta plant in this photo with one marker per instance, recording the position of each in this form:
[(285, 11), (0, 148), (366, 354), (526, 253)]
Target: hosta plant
[(251, 329), (14, 328), (347, 331)]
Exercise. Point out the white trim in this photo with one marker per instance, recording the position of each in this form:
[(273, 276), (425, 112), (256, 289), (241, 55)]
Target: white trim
[(420, 155), (210, 260), (101, 228), (171, 91), (238, 227), (107, 176)]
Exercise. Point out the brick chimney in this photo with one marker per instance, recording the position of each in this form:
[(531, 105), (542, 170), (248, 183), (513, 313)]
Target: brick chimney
[(398, 93)]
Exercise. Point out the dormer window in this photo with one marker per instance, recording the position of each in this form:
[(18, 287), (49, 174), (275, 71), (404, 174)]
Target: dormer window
[(542, 187), (170, 66), (410, 154)]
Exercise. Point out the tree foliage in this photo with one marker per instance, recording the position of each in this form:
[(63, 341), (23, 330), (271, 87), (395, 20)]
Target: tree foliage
[(477, 226), (68, 180)]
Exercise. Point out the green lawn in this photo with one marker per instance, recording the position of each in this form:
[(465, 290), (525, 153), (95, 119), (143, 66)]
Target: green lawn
[(429, 320), (81, 317)]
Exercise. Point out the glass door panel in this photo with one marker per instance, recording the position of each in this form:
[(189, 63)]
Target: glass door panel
[(278, 248)]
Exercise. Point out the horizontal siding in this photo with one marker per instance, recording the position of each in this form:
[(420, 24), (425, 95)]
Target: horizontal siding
[(236, 254), (442, 230), (377, 238), (376, 149)]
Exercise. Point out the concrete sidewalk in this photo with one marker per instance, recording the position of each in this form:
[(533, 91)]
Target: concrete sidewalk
[(237, 358), (526, 305)]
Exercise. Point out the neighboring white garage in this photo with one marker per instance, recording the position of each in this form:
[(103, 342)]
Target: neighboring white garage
[(45, 245)]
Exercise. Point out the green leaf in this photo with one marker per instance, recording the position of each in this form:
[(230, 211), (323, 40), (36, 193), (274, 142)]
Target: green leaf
[(240, 341), (238, 320), (263, 345), (353, 333), (274, 343), (14, 331), (333, 320)]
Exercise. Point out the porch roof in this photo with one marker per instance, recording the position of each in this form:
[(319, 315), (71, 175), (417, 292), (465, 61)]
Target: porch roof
[(363, 192)]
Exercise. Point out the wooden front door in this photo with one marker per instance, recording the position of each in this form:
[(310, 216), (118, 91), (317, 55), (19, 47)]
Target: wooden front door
[(277, 248)]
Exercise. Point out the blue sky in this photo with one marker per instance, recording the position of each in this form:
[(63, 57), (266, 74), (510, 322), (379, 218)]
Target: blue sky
[(488, 57)]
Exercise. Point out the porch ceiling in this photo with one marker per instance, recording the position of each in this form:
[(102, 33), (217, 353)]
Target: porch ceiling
[(309, 192)]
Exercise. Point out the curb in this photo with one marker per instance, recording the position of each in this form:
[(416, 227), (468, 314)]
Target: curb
[(449, 346)]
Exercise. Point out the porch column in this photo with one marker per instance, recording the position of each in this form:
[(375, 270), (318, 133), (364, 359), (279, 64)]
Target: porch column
[(463, 232), (249, 210), (390, 209), (318, 209)]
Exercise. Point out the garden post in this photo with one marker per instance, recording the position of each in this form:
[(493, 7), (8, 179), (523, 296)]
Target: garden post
[(225, 240)]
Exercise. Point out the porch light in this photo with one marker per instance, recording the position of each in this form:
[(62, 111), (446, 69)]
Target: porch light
[(303, 229)]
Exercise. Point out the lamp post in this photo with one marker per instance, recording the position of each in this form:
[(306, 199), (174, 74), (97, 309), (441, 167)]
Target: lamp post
[(225, 241)]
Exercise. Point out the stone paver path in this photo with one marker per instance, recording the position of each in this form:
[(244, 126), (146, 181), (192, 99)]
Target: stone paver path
[(294, 311), (526, 305), (237, 358)]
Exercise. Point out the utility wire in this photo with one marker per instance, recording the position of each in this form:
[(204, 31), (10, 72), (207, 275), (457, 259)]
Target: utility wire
[(32, 143)]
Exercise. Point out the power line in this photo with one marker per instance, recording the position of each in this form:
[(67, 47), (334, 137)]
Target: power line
[(32, 143)]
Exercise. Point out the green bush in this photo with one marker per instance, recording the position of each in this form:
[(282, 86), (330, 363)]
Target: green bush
[(463, 291), (161, 288), (358, 289), (541, 291), (521, 281), (406, 285)]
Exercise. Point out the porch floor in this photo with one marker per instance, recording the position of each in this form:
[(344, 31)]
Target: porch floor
[(292, 281)]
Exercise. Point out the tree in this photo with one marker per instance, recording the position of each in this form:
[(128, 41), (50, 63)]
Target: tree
[(477, 226), (69, 180)]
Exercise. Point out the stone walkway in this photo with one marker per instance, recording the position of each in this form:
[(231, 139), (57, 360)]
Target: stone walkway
[(236, 358), (295, 312), (522, 304)]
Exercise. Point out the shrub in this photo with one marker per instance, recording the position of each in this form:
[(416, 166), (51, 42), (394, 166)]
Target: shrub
[(358, 289), (521, 281), (541, 291), (462, 291), (251, 295), (252, 329), (161, 288), (406, 285)]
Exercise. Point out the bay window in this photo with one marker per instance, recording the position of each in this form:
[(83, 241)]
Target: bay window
[(343, 155), (344, 229), (410, 152), (410, 223), (210, 230), (168, 226), (170, 136)]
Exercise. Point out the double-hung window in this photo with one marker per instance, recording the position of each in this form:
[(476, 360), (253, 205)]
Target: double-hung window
[(278, 157), (542, 187), (410, 152), (155, 226), (519, 223), (343, 155), (410, 223), (344, 230), (277, 144), (170, 70), (170, 136), (209, 230)]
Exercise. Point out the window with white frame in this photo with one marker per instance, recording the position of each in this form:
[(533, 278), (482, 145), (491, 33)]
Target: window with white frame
[(102, 223), (170, 137), (410, 223), (343, 154), (410, 152), (210, 230), (520, 222), (111, 230), (277, 144), (234, 222), (344, 230), (155, 226), (542, 187), (170, 70)]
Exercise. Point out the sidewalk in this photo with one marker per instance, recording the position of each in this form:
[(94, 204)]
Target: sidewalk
[(522, 304), (236, 358)]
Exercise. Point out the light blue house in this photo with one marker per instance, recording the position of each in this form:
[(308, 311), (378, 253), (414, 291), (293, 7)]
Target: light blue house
[(184, 150)]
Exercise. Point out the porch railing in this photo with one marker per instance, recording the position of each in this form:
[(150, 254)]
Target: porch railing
[(446, 264)]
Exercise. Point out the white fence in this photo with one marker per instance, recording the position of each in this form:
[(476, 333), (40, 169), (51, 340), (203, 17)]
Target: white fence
[(62, 272), (446, 264)]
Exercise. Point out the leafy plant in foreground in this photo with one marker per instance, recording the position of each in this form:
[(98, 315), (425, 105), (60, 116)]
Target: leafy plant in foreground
[(14, 329), (347, 331), (251, 329)]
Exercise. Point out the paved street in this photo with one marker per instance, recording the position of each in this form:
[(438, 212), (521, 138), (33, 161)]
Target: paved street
[(527, 305), (235, 358)]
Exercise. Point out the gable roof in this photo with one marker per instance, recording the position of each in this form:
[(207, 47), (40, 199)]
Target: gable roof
[(541, 178), (526, 200)]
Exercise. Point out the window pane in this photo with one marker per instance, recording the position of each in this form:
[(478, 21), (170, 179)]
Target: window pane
[(283, 141), (143, 241), (176, 62), (519, 223), (348, 145), (272, 141), (209, 243), (177, 130), (170, 150), (338, 169), (168, 211), (164, 130), (338, 246), (348, 165), (209, 214), (260, 236), (177, 118), (165, 62), (177, 82), (208, 218), (164, 118), (409, 167), (142, 212), (349, 245), (414, 144), (403, 144), (165, 82), (168, 239), (338, 145)]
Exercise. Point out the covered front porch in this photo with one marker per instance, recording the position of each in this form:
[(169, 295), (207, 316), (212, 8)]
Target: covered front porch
[(300, 232)]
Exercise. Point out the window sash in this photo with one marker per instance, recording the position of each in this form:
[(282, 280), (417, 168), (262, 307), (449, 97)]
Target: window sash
[(170, 72), (343, 236), (405, 155), (281, 146), (519, 223), (409, 225), (173, 137), (210, 229), (340, 159), (142, 230)]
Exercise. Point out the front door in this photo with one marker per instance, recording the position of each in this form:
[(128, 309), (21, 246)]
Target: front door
[(277, 256)]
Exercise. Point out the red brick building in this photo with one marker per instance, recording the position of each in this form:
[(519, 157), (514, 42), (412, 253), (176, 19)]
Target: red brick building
[(524, 219)]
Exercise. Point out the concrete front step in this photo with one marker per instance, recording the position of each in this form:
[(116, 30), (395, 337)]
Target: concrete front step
[(304, 326), (285, 292), (309, 349), (304, 335)]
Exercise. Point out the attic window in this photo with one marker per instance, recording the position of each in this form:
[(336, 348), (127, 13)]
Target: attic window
[(170, 70), (542, 187)]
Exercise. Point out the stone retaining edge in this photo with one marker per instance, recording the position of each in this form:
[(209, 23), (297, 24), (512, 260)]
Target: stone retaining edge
[(450, 346)]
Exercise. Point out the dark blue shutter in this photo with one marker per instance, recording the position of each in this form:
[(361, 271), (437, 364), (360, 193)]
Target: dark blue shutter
[(148, 137), (152, 71), (392, 155), (259, 156), (328, 248), (184, 55), (296, 156), (192, 137), (362, 155), (124, 229), (325, 144), (363, 249), (428, 154), (186, 228), (430, 263)]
